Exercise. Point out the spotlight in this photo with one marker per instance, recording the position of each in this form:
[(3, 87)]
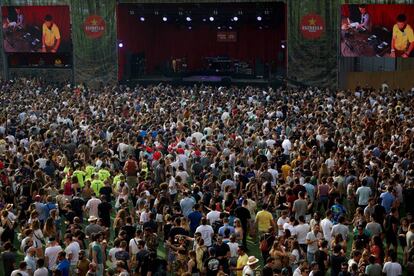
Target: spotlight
[(219, 28), (188, 19), (230, 28), (120, 45), (283, 46), (211, 18), (164, 19), (142, 19), (204, 20), (189, 27), (235, 18), (259, 18)]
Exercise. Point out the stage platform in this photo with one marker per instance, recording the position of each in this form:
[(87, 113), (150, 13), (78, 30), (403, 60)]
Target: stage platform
[(205, 79)]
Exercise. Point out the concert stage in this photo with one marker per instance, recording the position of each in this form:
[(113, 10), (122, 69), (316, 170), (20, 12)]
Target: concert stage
[(219, 44), (207, 80)]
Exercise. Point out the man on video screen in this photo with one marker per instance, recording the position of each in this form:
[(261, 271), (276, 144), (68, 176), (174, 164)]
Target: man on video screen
[(15, 18), (364, 23), (365, 20), (50, 36), (402, 44)]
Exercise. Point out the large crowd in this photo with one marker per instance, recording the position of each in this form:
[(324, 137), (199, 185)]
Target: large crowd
[(201, 180)]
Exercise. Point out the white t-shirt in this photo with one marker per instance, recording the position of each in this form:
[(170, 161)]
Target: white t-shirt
[(351, 262), (233, 248), (73, 248), (280, 222), (15, 272), (228, 182), (313, 247), (172, 186), (301, 232), (133, 245), (37, 238), (270, 143), (392, 269), (330, 163), (36, 243), (198, 136), (340, 229), (286, 145), (182, 159), (206, 233), (290, 227), (52, 253), (363, 194), (41, 272), (297, 272), (225, 116), (326, 226), (295, 253), (274, 174), (144, 217), (213, 216), (247, 271), (92, 206), (112, 253)]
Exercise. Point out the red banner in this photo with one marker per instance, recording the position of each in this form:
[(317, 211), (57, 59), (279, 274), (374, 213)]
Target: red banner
[(312, 26), (94, 26), (226, 36)]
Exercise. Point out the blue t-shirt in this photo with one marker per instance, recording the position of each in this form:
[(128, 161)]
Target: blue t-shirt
[(310, 189), (63, 267), (195, 218), (387, 201), (186, 205), (222, 230), (42, 212), (48, 207)]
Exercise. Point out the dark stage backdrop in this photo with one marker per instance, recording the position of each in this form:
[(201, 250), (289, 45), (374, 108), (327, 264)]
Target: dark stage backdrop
[(162, 41), (313, 62)]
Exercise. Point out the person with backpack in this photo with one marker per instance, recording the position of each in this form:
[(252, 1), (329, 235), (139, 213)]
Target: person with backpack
[(391, 229), (141, 258), (266, 241), (131, 169)]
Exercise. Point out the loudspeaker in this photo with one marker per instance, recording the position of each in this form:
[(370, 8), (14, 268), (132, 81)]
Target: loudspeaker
[(127, 66), (259, 68), (226, 81), (137, 65)]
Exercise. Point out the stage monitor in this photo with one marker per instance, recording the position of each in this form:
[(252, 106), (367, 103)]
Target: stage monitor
[(377, 30), (36, 29)]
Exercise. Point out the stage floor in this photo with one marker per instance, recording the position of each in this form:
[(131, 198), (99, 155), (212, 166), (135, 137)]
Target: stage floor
[(196, 79)]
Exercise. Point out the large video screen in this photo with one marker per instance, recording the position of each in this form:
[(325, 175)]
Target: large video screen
[(377, 30), (36, 29)]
